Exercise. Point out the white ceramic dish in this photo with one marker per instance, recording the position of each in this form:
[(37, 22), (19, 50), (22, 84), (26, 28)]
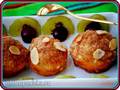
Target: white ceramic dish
[(83, 78)]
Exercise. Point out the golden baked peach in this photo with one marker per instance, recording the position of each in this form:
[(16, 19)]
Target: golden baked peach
[(93, 51), (48, 56), (14, 57)]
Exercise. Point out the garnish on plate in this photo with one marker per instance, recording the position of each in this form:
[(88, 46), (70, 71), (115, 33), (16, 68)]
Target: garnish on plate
[(100, 76), (27, 27), (25, 78), (64, 76)]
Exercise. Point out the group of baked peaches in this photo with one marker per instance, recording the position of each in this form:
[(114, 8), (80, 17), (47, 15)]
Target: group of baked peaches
[(93, 49)]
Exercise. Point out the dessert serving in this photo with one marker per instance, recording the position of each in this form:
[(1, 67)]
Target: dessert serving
[(94, 51), (60, 47), (15, 57), (48, 56)]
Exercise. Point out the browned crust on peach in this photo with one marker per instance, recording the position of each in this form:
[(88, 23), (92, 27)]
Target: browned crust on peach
[(13, 64), (51, 60), (85, 48)]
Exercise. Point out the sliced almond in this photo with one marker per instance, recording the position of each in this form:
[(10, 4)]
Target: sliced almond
[(46, 39), (98, 54), (14, 50), (34, 56), (59, 46), (79, 38), (112, 44), (43, 11), (100, 32)]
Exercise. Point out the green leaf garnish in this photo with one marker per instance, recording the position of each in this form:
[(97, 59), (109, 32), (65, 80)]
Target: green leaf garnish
[(100, 76), (65, 76), (26, 78)]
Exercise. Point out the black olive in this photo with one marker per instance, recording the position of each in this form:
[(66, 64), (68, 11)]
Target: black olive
[(28, 33), (60, 32), (93, 26)]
